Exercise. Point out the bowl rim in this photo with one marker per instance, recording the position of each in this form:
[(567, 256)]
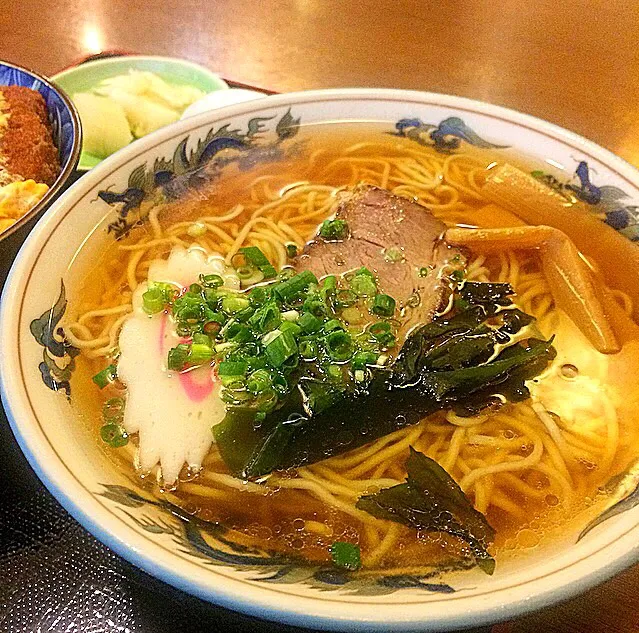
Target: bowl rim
[(71, 163), (299, 610), (87, 64)]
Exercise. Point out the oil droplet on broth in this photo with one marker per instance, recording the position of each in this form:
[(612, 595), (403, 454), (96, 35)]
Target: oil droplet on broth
[(551, 500), (527, 538), (322, 529), (569, 371)]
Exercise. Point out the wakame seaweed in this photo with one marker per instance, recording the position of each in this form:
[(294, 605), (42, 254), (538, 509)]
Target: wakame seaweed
[(462, 360), (432, 501)]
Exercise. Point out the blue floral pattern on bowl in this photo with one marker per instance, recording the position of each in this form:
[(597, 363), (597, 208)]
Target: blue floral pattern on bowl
[(58, 354), (611, 203), (187, 169), (444, 137), (211, 543)]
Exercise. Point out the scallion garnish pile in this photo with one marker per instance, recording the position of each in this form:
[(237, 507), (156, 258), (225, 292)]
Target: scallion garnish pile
[(294, 330)]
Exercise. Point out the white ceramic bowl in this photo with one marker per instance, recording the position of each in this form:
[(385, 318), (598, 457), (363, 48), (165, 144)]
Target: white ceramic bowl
[(67, 458)]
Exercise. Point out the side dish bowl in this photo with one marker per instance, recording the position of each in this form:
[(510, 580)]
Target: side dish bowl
[(66, 456), (67, 136), (176, 72)]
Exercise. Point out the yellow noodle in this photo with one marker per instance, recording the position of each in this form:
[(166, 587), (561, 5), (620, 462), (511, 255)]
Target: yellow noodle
[(487, 463), (384, 547)]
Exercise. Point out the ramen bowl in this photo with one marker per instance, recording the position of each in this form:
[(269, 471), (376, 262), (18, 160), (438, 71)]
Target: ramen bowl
[(37, 365), (67, 137)]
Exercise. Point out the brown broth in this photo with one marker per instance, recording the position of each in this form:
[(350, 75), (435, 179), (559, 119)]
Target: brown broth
[(281, 520)]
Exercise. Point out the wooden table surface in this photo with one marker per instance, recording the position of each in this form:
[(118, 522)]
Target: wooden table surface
[(573, 63)]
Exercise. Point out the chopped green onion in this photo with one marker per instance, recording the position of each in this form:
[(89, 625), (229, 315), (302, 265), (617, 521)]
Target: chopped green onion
[(333, 324), (346, 556), (244, 315), (364, 271), (105, 377), (387, 341), (222, 347), (114, 435), (291, 362), (309, 323), (352, 315), (280, 384), (245, 272), (291, 250), (157, 296), (267, 401), (113, 410), (153, 300), (286, 273), (200, 354), (255, 256), (383, 305), (211, 281), (363, 285), (266, 318), (289, 326), (423, 271), (334, 373), (362, 359), (329, 282), (290, 315), (382, 333), (379, 329), (345, 298), (394, 255), (359, 375), (201, 350), (281, 348), (296, 284), (196, 289), (201, 339), (218, 317), (211, 297), (458, 275), (308, 350), (339, 345), (315, 307), (177, 357), (236, 332), (270, 336), (258, 295), (233, 304), (232, 368), (334, 229), (259, 381)]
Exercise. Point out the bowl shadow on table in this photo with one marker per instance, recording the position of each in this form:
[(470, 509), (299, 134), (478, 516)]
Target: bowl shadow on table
[(56, 577)]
